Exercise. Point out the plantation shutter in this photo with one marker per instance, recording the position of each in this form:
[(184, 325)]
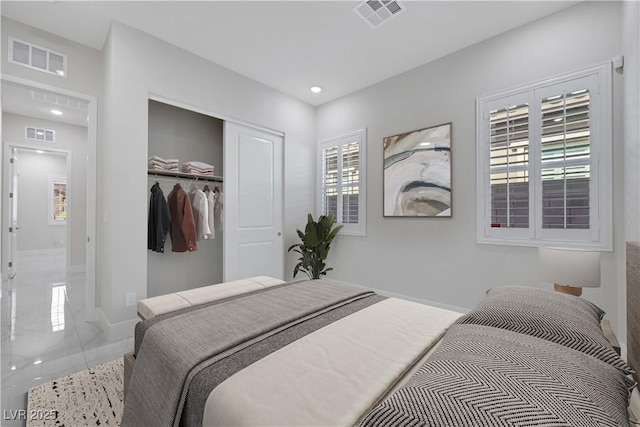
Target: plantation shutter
[(342, 182), (330, 181), (544, 162), (566, 149), (350, 182), (509, 166)]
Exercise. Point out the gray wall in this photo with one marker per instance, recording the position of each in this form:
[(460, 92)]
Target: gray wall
[(70, 138), (631, 50), (137, 65), (631, 36), (187, 136), (33, 171), (439, 259)]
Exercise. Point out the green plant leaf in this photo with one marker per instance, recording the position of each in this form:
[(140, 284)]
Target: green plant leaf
[(315, 244), (334, 232)]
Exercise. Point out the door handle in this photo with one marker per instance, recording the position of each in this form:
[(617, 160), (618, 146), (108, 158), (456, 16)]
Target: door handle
[(279, 234)]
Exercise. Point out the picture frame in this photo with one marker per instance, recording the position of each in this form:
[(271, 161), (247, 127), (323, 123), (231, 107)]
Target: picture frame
[(417, 173)]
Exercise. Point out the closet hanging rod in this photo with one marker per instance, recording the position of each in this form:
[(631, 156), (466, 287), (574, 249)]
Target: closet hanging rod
[(208, 178)]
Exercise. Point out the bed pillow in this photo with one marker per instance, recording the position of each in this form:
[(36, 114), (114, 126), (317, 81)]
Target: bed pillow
[(564, 319), (484, 376)]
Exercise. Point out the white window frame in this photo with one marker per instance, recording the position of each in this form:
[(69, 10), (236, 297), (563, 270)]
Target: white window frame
[(360, 136), (600, 233)]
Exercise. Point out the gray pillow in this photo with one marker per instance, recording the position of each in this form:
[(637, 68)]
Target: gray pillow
[(564, 319)]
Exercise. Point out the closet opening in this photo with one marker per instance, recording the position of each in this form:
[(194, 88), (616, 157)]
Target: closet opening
[(185, 151)]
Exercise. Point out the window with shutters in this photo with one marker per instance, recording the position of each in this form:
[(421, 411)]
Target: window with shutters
[(57, 200), (342, 180), (544, 163)]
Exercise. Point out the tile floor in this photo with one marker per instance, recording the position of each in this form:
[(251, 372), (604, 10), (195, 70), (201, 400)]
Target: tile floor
[(44, 334)]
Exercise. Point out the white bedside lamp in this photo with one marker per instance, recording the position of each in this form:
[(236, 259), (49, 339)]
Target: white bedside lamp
[(570, 270)]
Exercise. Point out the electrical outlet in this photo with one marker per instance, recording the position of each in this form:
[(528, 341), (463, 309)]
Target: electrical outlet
[(130, 299)]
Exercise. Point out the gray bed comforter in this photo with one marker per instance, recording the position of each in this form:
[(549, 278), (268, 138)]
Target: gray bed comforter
[(174, 351)]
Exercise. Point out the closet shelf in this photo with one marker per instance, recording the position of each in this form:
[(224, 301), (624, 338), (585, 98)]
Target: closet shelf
[(209, 178)]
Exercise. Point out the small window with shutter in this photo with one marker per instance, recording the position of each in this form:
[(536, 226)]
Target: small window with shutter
[(342, 180), (544, 163)]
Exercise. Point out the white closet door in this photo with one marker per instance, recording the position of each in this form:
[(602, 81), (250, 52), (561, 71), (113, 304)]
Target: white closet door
[(253, 187)]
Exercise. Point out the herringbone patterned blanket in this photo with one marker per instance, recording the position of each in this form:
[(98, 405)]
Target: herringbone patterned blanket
[(485, 376)]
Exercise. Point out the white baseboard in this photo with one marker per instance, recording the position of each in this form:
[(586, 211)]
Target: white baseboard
[(408, 298), (116, 331), (39, 252)]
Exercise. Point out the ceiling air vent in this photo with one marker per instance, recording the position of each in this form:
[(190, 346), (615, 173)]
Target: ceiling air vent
[(42, 135), (37, 58), (60, 100), (377, 12)]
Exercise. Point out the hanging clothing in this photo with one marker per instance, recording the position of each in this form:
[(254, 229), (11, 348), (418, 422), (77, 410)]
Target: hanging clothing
[(200, 208), (159, 220), (182, 229), (218, 210), (211, 218)]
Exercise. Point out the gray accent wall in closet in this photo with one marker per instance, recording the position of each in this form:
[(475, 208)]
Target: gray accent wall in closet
[(188, 136)]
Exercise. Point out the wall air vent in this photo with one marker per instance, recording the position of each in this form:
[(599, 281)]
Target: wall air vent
[(42, 135), (377, 12), (37, 58)]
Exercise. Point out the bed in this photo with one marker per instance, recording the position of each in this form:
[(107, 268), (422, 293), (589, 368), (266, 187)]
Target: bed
[(325, 353)]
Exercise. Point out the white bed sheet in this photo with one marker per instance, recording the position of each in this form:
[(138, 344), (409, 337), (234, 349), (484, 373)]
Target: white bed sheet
[(334, 375)]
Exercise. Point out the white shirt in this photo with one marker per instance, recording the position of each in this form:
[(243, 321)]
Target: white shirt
[(200, 207), (211, 201)]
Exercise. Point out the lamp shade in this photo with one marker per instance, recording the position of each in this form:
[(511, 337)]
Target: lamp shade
[(570, 267)]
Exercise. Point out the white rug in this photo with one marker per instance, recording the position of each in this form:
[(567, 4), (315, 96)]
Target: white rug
[(93, 397)]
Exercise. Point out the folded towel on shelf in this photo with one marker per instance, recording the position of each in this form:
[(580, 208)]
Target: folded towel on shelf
[(199, 168), (196, 172), (158, 163), (198, 165), (192, 170)]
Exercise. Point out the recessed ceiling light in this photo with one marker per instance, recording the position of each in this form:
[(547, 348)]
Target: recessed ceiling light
[(37, 362), (39, 151), (56, 112), (315, 89)]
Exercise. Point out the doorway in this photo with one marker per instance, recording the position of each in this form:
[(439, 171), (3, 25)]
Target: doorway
[(42, 117), (39, 210)]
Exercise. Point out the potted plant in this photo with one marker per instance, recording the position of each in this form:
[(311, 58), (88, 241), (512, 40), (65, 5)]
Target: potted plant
[(316, 241)]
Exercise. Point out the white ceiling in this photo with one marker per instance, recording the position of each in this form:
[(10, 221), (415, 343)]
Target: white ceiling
[(292, 45)]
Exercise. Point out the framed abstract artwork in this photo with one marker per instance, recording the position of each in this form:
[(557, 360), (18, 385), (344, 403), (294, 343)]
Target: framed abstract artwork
[(417, 173)]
